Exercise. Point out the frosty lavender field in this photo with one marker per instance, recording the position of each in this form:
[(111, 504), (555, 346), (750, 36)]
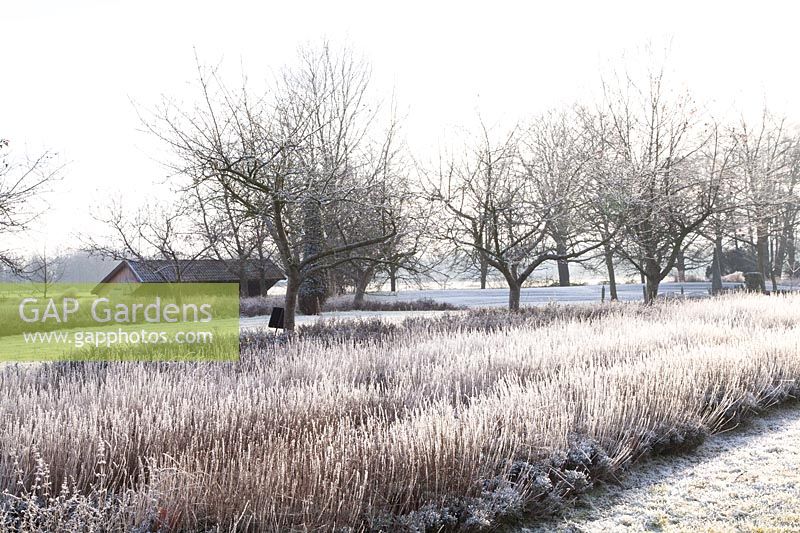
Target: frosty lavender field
[(426, 426)]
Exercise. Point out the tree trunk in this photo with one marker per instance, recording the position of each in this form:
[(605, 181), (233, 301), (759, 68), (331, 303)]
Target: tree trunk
[(514, 290), (262, 274), (644, 287), (775, 261), (754, 282), (680, 265), (780, 253), (243, 281), (563, 265), (311, 295), (290, 302), (484, 265), (612, 278), (330, 283), (762, 255), (363, 279), (313, 288), (652, 279), (651, 290), (716, 267), (393, 280), (790, 267)]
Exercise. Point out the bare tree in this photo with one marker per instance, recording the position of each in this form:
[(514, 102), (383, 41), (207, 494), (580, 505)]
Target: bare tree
[(656, 135), (559, 153), (22, 181), (232, 234), (497, 206), (718, 161), (605, 213), (406, 256), (45, 269), (404, 213), (789, 215), (156, 231), (284, 156), (345, 161), (356, 268), (764, 157)]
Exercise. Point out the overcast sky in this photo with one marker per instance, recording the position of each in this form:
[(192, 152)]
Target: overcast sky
[(71, 70)]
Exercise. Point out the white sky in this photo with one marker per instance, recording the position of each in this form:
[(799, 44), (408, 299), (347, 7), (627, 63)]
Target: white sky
[(71, 69)]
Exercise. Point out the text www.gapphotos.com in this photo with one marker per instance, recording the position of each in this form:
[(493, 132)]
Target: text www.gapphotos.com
[(107, 339)]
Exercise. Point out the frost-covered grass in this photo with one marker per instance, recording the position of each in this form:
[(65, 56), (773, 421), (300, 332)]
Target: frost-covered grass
[(435, 424)]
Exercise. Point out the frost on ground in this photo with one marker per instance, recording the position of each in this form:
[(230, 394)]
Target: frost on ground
[(472, 421), (747, 479)]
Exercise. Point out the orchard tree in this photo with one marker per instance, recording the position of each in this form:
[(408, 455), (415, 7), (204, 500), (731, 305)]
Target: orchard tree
[(23, 181), (655, 137), (408, 255), (232, 234), (404, 212), (45, 269), (287, 156), (790, 213), (558, 153), (605, 213), (499, 204), (764, 155), (718, 161), (346, 162), (157, 231)]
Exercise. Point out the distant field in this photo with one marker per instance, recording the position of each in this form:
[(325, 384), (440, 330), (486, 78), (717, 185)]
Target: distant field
[(498, 297), (471, 298), (460, 421)]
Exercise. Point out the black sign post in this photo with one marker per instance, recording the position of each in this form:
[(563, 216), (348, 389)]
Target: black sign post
[(276, 318)]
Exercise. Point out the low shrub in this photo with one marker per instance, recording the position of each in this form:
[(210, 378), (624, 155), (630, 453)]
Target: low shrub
[(262, 305), (259, 305), (376, 330), (346, 303)]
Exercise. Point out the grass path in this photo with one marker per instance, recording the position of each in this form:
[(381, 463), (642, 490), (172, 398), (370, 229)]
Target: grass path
[(743, 480)]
